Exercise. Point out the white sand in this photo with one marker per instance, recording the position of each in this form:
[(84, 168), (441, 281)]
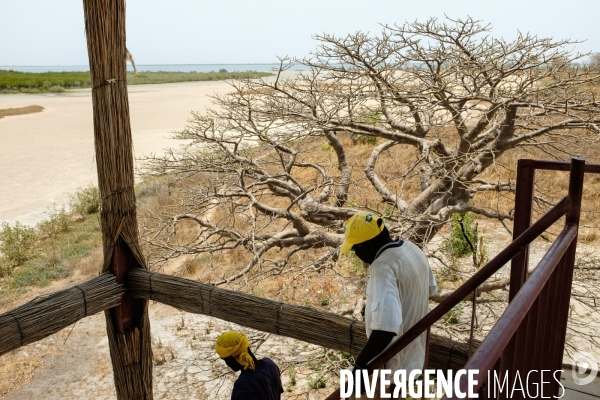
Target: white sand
[(46, 156)]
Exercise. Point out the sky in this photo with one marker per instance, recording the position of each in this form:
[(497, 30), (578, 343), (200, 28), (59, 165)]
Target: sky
[(43, 32)]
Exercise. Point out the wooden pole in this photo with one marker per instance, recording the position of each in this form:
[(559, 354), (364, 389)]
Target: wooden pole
[(128, 326)]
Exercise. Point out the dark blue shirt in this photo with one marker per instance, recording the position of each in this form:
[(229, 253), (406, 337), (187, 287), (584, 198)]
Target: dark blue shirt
[(264, 383)]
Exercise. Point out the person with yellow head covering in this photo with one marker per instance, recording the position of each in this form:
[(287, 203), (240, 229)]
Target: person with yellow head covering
[(400, 283), (259, 379)]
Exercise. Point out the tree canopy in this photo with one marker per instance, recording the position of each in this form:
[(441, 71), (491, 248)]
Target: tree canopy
[(439, 103)]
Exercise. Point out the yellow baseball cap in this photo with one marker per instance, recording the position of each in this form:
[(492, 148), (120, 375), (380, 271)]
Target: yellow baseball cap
[(359, 228)]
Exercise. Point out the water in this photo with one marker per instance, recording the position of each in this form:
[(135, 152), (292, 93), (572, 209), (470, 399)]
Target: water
[(155, 67)]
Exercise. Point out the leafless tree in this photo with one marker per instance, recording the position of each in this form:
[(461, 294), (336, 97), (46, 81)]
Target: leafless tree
[(443, 101), (594, 61)]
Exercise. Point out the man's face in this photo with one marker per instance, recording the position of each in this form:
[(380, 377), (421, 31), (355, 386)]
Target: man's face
[(365, 252), (233, 364)]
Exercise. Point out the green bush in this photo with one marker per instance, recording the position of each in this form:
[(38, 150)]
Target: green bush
[(31, 82), (292, 373), (57, 89), (77, 251), (42, 81), (363, 139), (57, 222), (358, 268), (55, 244), (36, 272), (85, 201), (372, 117), (456, 245), (317, 383), (306, 303), (150, 187), (15, 244), (453, 316), (326, 146), (171, 77)]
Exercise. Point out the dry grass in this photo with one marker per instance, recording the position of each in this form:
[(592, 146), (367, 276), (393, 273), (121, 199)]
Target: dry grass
[(320, 289), (310, 287), (162, 353), (6, 112), (589, 236), (550, 185), (17, 369), (89, 266)]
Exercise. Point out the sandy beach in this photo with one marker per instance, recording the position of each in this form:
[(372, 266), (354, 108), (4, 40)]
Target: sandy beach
[(46, 156)]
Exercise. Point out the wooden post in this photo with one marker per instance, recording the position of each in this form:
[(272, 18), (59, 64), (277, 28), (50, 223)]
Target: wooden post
[(128, 326)]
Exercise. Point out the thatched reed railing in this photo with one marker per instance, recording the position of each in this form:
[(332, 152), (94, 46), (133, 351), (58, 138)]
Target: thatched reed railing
[(324, 329), (44, 316)]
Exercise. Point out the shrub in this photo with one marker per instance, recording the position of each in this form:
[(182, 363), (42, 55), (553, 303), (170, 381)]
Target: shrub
[(36, 272), (150, 187), (15, 81), (85, 201), (456, 245), (15, 244), (453, 316), (292, 373), (306, 303), (318, 383), (57, 89), (358, 267), (77, 251), (326, 146), (57, 221), (363, 139)]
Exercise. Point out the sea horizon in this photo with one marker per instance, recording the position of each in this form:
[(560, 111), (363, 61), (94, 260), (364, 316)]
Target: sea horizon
[(261, 67)]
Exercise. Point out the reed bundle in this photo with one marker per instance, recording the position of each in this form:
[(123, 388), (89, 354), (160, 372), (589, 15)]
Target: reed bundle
[(128, 327), (128, 352), (44, 316), (105, 30), (321, 328)]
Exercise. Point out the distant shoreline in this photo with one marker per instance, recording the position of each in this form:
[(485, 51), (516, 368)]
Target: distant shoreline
[(260, 67), (12, 82)]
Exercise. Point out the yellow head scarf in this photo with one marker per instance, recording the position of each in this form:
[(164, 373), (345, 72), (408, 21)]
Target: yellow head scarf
[(235, 344)]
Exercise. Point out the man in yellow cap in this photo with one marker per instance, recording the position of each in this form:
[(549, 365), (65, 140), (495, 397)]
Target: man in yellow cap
[(259, 380), (400, 283)]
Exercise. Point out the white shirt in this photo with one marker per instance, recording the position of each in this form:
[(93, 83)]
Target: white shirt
[(400, 283)]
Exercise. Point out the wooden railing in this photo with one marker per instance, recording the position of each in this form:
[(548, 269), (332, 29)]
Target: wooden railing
[(525, 337)]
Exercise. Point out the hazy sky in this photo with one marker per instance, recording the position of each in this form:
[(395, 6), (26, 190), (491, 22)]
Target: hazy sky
[(51, 32)]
